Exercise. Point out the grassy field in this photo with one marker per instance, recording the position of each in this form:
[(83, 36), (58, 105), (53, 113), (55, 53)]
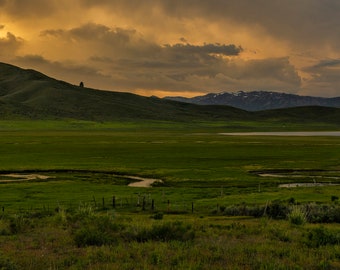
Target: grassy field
[(212, 210)]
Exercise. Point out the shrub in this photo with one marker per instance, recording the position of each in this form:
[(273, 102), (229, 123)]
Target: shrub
[(291, 200), (91, 237), (97, 231), (158, 216), (166, 232), (7, 264), (334, 198), (323, 213), (297, 215), (277, 210), (322, 236)]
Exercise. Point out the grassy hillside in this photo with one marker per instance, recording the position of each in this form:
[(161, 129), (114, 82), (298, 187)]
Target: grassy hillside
[(28, 94), (309, 114)]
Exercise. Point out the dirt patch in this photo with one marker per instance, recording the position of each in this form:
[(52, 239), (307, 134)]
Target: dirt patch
[(143, 182)]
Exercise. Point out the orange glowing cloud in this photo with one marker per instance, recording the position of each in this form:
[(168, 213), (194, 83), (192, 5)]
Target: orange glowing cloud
[(177, 47)]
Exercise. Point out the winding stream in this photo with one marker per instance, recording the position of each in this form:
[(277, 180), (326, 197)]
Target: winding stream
[(21, 177)]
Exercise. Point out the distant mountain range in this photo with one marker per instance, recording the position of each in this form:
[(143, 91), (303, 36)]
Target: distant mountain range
[(259, 100), (29, 94)]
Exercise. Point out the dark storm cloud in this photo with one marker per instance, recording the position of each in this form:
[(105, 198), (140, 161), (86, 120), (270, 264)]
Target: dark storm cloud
[(326, 64), (69, 71), (10, 44), (56, 65), (135, 62), (299, 21), (172, 45), (19, 8), (325, 77), (130, 47), (205, 49), (107, 39), (194, 73), (279, 68)]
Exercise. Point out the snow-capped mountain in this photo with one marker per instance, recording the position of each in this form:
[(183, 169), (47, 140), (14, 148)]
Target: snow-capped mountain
[(259, 100)]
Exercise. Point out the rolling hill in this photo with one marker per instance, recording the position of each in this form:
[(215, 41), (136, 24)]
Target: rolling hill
[(29, 94)]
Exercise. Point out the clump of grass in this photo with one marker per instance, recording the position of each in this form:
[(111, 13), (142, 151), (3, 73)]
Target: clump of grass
[(61, 216), (19, 223), (85, 210), (297, 215)]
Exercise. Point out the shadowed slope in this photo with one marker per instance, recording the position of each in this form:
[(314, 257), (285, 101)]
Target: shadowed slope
[(30, 94), (45, 97)]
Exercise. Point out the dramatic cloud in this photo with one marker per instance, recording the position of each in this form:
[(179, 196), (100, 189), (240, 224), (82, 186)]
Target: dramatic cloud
[(9, 44), (32, 8), (290, 19), (70, 71), (174, 46), (325, 77)]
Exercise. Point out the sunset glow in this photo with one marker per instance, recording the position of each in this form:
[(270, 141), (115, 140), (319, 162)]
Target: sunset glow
[(178, 47)]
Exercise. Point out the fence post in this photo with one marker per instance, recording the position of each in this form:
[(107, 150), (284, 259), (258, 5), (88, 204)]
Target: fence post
[(113, 201), (138, 201), (143, 207)]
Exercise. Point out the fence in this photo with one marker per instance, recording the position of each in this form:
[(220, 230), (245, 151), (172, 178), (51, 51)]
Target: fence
[(120, 203)]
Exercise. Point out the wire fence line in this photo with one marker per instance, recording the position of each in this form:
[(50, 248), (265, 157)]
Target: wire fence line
[(124, 203)]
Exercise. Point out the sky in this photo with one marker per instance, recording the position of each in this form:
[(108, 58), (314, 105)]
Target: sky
[(178, 47)]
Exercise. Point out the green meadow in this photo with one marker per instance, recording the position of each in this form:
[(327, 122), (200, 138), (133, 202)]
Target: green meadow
[(211, 210)]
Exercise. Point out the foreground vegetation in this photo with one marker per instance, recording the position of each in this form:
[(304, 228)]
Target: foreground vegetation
[(86, 240), (211, 211)]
